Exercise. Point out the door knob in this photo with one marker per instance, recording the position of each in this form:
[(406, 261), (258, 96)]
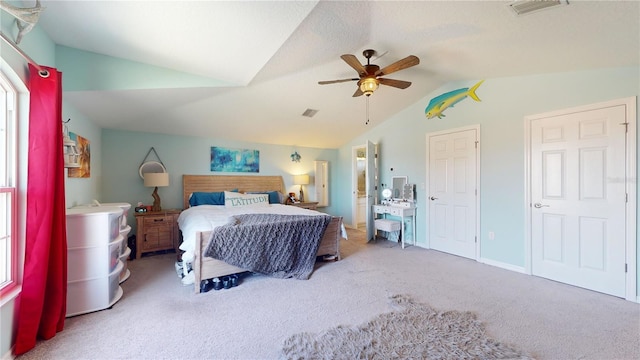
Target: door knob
[(433, 198), (538, 205)]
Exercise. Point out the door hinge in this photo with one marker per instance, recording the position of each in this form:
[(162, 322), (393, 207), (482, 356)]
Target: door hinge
[(626, 126), (477, 144), (626, 197), (476, 239), (625, 268)]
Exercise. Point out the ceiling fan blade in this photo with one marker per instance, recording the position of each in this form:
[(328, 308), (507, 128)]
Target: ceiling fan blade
[(407, 62), (400, 84), (358, 93), (336, 81), (354, 63)]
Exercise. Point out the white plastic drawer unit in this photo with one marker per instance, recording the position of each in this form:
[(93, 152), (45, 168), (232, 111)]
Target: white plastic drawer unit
[(94, 247)]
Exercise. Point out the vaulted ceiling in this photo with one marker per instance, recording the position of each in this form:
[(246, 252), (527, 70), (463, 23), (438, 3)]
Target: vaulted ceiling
[(261, 60)]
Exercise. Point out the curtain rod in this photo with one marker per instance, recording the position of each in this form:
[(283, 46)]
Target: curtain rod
[(43, 72)]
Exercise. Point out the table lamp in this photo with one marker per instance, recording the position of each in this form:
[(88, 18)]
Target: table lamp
[(156, 180), (301, 180)]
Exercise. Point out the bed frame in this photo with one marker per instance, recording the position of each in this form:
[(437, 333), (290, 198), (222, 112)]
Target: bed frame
[(206, 267)]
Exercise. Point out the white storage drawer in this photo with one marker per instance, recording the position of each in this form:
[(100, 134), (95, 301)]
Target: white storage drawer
[(94, 248), (88, 295), (94, 261)]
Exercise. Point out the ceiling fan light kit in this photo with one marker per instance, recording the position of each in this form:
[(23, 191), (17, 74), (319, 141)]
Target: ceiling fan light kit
[(368, 85)]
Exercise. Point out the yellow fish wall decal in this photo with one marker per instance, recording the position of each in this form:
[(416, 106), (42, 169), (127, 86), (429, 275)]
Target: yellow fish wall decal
[(439, 103)]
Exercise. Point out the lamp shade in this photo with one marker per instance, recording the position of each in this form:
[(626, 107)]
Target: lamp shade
[(156, 179), (301, 179), (368, 85)]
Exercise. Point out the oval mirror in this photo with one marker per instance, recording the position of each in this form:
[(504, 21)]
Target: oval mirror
[(151, 167)]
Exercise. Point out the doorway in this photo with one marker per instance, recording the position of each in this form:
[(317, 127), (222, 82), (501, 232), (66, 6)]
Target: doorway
[(361, 188), (364, 186), (581, 196)]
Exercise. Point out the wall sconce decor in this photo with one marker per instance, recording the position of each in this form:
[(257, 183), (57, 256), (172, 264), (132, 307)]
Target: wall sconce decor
[(301, 180), (295, 157), (71, 153), (156, 180)]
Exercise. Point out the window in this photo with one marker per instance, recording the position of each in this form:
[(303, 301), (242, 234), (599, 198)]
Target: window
[(8, 171)]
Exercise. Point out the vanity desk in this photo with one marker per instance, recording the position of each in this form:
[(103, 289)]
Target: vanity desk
[(399, 201), (403, 210)]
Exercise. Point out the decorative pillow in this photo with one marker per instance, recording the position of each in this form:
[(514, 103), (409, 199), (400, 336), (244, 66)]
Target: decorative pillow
[(207, 198), (235, 200), (275, 197)]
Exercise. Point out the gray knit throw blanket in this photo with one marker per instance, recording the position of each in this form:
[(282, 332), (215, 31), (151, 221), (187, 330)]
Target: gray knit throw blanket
[(282, 246)]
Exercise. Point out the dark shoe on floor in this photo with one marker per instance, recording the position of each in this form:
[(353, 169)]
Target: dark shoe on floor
[(226, 282), (217, 284), (235, 280), (205, 285)]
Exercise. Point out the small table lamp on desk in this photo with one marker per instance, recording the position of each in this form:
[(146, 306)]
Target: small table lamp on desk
[(301, 180), (156, 180)]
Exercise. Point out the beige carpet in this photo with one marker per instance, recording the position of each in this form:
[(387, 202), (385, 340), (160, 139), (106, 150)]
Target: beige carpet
[(158, 318)]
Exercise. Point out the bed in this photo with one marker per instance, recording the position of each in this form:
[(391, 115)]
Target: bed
[(196, 226)]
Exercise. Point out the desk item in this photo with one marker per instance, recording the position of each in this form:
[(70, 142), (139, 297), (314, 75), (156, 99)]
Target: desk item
[(406, 211)]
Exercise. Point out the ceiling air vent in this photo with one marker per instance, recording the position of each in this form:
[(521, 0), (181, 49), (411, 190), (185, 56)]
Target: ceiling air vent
[(309, 112), (529, 6)]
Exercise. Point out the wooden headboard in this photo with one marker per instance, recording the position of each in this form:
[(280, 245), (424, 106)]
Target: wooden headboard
[(244, 183)]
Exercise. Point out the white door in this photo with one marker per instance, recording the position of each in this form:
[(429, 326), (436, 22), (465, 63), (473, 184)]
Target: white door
[(453, 191), (322, 182), (578, 198), (372, 186)]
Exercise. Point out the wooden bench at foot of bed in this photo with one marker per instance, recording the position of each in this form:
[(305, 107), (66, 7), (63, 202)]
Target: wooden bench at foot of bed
[(208, 268)]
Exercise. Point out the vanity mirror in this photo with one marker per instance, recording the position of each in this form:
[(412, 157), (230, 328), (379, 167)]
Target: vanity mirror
[(397, 187)]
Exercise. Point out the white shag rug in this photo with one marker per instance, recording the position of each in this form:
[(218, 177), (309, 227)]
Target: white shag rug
[(415, 331)]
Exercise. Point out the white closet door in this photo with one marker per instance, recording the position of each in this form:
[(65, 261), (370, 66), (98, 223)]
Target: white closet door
[(322, 182)]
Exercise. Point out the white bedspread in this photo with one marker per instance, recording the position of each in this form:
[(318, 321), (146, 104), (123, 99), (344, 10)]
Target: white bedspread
[(208, 217)]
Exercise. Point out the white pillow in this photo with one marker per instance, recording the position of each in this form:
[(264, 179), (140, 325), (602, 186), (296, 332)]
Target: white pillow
[(235, 200)]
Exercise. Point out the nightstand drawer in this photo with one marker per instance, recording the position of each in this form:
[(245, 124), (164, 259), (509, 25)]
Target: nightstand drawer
[(158, 221), (306, 205)]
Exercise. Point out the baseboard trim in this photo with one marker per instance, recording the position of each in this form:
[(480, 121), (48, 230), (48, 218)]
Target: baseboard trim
[(8, 355), (502, 265)]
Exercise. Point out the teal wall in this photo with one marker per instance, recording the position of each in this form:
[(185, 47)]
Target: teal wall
[(80, 190), (90, 71), (505, 103), (124, 151)]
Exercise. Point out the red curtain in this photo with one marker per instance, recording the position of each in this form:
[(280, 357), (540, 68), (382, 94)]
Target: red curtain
[(43, 300)]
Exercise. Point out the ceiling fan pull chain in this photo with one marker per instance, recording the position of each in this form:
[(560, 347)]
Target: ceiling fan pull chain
[(367, 123)]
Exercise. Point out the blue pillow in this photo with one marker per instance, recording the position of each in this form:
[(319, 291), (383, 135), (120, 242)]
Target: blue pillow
[(207, 198), (274, 196)]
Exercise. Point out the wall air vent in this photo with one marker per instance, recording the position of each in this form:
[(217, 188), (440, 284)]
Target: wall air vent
[(529, 6), (309, 112)]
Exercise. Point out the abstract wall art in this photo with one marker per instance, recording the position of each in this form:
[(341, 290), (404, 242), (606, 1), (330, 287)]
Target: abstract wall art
[(235, 160)]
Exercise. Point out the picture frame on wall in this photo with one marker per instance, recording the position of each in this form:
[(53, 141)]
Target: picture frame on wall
[(234, 160), (84, 149)]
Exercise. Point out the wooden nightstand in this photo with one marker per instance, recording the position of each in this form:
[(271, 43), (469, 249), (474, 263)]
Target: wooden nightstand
[(157, 231), (307, 205)]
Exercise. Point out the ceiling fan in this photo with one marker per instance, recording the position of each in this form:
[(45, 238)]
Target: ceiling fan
[(369, 74)]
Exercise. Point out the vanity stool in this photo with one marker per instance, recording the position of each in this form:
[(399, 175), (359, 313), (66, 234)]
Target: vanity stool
[(393, 227)]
